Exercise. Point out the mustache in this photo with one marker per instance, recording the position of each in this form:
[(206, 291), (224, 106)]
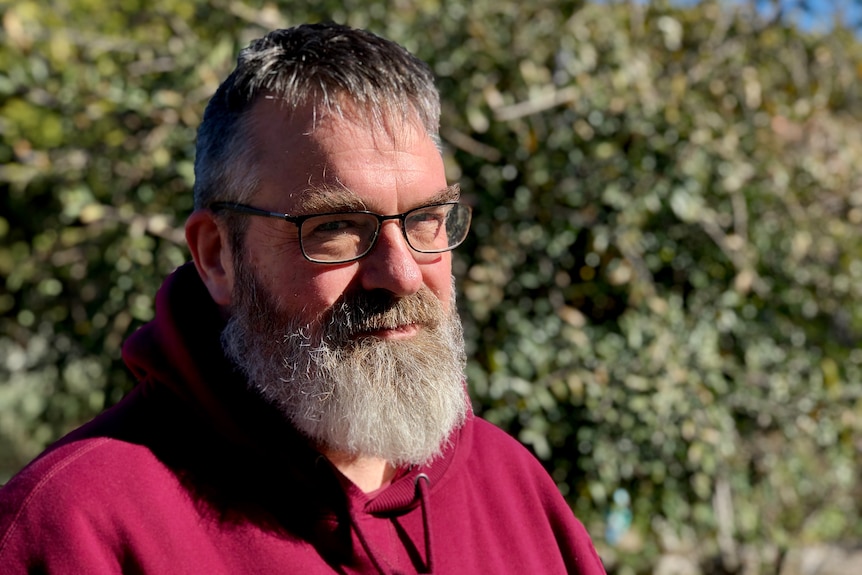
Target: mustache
[(361, 312)]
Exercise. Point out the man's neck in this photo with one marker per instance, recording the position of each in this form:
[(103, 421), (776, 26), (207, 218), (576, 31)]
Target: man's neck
[(368, 473)]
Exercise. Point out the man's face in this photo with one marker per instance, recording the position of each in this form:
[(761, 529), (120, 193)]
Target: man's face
[(365, 358), (336, 165)]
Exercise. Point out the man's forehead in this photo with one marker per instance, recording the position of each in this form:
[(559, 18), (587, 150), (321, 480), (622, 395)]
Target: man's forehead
[(315, 162)]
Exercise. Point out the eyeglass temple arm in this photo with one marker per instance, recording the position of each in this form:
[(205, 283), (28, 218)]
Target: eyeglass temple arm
[(242, 208)]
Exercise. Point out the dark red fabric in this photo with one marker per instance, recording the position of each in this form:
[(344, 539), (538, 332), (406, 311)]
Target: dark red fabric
[(192, 473)]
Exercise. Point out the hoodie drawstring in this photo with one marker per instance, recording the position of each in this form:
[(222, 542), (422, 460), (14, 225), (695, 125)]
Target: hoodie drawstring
[(422, 486), (366, 546)]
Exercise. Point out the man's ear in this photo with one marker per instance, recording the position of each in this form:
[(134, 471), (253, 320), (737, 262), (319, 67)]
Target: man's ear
[(210, 247)]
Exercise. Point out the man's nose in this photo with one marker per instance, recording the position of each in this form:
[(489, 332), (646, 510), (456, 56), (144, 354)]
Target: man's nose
[(391, 265)]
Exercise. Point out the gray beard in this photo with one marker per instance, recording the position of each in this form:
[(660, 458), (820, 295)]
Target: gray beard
[(399, 400)]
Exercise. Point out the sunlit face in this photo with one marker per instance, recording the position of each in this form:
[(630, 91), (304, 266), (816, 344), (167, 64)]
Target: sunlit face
[(310, 165), (364, 358)]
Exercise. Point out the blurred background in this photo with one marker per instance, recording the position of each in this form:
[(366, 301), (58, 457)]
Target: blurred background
[(662, 291)]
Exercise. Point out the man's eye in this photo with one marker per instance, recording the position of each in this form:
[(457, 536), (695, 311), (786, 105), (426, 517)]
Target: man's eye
[(332, 226), (430, 217), (434, 214), (360, 224)]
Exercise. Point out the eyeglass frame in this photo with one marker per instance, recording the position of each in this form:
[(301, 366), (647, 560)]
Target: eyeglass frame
[(298, 221)]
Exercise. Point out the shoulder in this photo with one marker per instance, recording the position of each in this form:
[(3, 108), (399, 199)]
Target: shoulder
[(75, 473), (488, 431), (97, 462), (498, 460), (501, 482), (74, 499), (489, 441), (504, 469)]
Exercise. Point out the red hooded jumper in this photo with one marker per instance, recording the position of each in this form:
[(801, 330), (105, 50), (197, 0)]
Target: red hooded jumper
[(193, 473)]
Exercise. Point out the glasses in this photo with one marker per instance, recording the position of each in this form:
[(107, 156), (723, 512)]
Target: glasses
[(342, 237)]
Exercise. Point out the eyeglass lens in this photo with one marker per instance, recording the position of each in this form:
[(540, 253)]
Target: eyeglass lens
[(345, 236)]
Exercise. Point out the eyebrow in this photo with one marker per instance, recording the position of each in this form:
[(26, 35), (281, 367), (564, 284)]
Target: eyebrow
[(327, 198), (449, 194)]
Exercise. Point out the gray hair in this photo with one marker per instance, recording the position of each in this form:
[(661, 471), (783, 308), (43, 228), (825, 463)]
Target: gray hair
[(334, 68)]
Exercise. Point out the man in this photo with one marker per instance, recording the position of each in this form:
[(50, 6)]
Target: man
[(301, 405)]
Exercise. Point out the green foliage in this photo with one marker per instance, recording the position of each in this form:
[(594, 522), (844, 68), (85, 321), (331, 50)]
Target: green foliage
[(661, 289), (664, 290)]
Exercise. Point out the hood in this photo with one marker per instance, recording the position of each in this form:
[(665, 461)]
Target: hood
[(240, 456)]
